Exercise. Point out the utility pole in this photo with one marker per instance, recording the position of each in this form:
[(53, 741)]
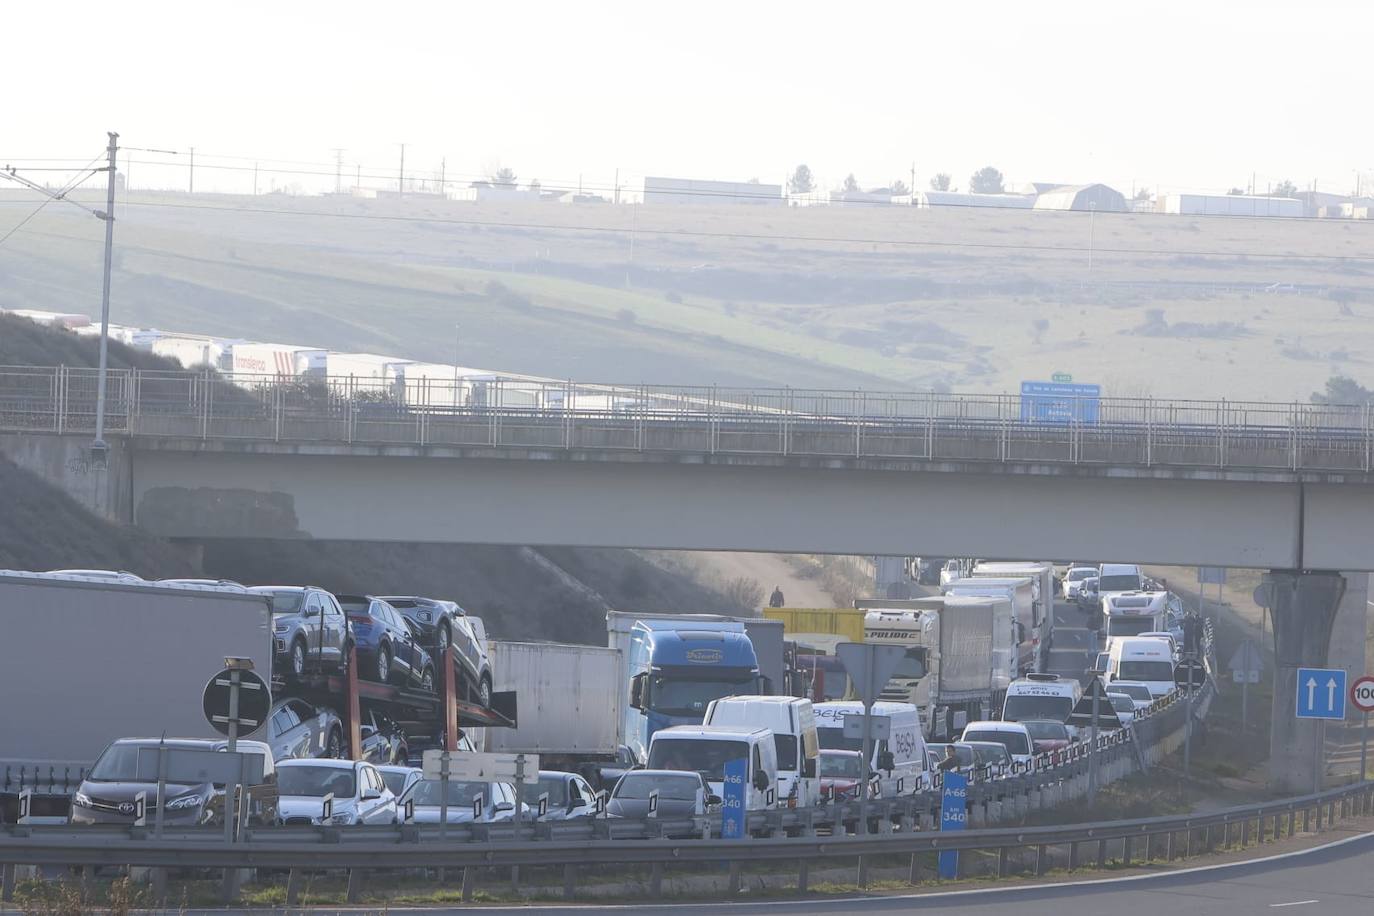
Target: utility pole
[(443, 171), (338, 170), (1092, 233), (401, 182), (912, 189), (255, 179), (99, 449), (191, 189), (617, 185)]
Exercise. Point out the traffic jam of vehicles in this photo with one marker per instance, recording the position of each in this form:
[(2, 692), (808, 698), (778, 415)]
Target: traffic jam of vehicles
[(676, 716)]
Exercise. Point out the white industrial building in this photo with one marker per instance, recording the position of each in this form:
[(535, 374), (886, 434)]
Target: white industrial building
[(1230, 205), (1097, 197), (699, 192), (962, 199)]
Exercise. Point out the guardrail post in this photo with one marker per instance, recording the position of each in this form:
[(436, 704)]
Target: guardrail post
[(1073, 856), (1169, 846), (913, 875), (6, 883), (803, 875), (1003, 853), (569, 881), (1042, 860), (467, 884), (355, 884), (1101, 853), (656, 880), (1126, 850), (293, 886)]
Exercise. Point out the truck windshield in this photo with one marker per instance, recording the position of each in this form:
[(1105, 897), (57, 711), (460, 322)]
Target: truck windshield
[(1037, 707), (676, 696), (912, 666), (706, 756), (1078, 575), (1118, 625), (1119, 583), (1146, 671)]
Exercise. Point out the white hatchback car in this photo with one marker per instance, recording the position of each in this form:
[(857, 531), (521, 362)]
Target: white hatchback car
[(355, 792)]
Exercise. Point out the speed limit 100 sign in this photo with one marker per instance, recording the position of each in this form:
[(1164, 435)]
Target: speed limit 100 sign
[(1362, 694)]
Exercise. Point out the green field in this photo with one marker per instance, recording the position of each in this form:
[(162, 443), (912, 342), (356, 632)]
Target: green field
[(972, 300)]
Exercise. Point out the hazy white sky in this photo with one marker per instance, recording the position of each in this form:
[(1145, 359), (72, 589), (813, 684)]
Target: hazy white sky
[(1179, 94)]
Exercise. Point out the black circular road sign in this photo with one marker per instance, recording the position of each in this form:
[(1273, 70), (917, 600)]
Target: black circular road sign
[(1190, 675), (255, 699)]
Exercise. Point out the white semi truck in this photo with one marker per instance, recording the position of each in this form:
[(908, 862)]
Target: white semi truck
[(960, 658), (1020, 591)]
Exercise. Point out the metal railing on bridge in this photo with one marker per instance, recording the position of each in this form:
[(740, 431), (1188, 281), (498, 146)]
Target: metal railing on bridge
[(524, 414)]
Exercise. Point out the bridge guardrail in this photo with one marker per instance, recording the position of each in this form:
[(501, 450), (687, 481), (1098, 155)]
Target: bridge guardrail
[(516, 413)]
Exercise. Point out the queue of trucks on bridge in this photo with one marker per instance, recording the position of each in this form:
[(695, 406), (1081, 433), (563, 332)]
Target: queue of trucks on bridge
[(363, 685)]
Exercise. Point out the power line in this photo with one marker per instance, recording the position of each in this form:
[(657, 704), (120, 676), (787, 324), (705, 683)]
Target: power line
[(50, 196), (778, 237)]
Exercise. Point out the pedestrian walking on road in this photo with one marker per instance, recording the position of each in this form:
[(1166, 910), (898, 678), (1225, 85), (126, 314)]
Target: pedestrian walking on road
[(1192, 633), (776, 599)]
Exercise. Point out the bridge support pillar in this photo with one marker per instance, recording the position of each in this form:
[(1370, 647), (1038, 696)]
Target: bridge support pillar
[(1304, 605)]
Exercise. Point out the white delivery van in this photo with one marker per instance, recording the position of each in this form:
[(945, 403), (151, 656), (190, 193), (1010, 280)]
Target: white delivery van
[(793, 724), (705, 749), (1042, 696), (1144, 659), (1014, 736), (899, 762)]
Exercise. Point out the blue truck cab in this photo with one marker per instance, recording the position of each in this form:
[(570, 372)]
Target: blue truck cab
[(677, 667)]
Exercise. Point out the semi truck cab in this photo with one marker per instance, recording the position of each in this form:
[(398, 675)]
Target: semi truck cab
[(676, 670)]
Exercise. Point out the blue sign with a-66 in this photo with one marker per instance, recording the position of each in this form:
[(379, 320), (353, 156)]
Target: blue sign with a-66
[(953, 816), (732, 799)]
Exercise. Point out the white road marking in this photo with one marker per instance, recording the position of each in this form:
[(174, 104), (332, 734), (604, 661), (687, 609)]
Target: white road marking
[(1294, 903)]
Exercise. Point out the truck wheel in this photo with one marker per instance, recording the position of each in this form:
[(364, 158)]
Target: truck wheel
[(383, 665), (442, 637), (298, 659), (484, 692), (334, 749)]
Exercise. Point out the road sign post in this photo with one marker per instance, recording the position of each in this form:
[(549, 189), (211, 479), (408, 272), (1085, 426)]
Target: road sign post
[(953, 816), (1321, 696), (870, 667), (1246, 665), (1362, 695), (732, 802)]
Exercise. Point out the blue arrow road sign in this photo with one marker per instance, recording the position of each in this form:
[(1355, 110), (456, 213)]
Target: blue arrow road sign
[(1321, 693)]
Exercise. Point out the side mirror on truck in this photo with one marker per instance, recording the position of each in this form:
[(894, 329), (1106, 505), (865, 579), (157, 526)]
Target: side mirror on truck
[(809, 768), (639, 685)]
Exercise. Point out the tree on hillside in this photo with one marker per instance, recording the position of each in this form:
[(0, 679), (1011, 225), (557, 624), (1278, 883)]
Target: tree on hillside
[(1143, 194), (851, 183), (801, 181), (1343, 390), (940, 182), (986, 180), (1285, 188), (1236, 192), (899, 188), (503, 176)]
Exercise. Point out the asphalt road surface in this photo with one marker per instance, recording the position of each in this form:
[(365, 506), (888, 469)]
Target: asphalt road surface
[(1335, 880), (1074, 647)]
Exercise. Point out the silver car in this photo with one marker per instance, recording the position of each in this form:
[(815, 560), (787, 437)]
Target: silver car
[(296, 729), (570, 796), (309, 629)]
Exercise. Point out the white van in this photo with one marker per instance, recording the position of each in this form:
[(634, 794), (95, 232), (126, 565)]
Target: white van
[(793, 724), (899, 762), (1143, 659), (1014, 736), (1041, 696), (705, 749)]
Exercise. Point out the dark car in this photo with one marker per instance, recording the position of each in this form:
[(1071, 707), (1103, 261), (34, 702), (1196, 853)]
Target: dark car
[(107, 794), (681, 793), (443, 623), (384, 742), (389, 647), (309, 629), (297, 729)]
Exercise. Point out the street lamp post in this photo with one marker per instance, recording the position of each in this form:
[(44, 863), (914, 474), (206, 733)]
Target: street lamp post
[(99, 448)]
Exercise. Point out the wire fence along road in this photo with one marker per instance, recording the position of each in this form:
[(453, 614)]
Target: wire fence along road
[(524, 414)]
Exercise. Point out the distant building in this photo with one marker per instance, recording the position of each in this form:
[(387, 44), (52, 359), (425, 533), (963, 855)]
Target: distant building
[(1321, 203), (878, 196), (978, 201), (1097, 197), (1230, 205), (699, 192), (1359, 208)]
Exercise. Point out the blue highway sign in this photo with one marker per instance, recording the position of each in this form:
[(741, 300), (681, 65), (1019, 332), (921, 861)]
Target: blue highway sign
[(732, 802), (1059, 402), (1321, 693), (953, 816)]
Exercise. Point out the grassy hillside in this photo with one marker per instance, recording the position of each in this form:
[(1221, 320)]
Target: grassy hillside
[(559, 594), (835, 297)]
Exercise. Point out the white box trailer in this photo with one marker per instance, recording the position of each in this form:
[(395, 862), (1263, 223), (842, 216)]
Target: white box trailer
[(1020, 591), (86, 662), (571, 702), (366, 372), (194, 352), (282, 360), (1045, 588)]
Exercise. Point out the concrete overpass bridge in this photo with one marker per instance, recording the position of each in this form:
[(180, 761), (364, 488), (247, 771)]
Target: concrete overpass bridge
[(1282, 487)]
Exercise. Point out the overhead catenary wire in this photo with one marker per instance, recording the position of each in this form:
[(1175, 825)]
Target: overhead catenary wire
[(75, 182)]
